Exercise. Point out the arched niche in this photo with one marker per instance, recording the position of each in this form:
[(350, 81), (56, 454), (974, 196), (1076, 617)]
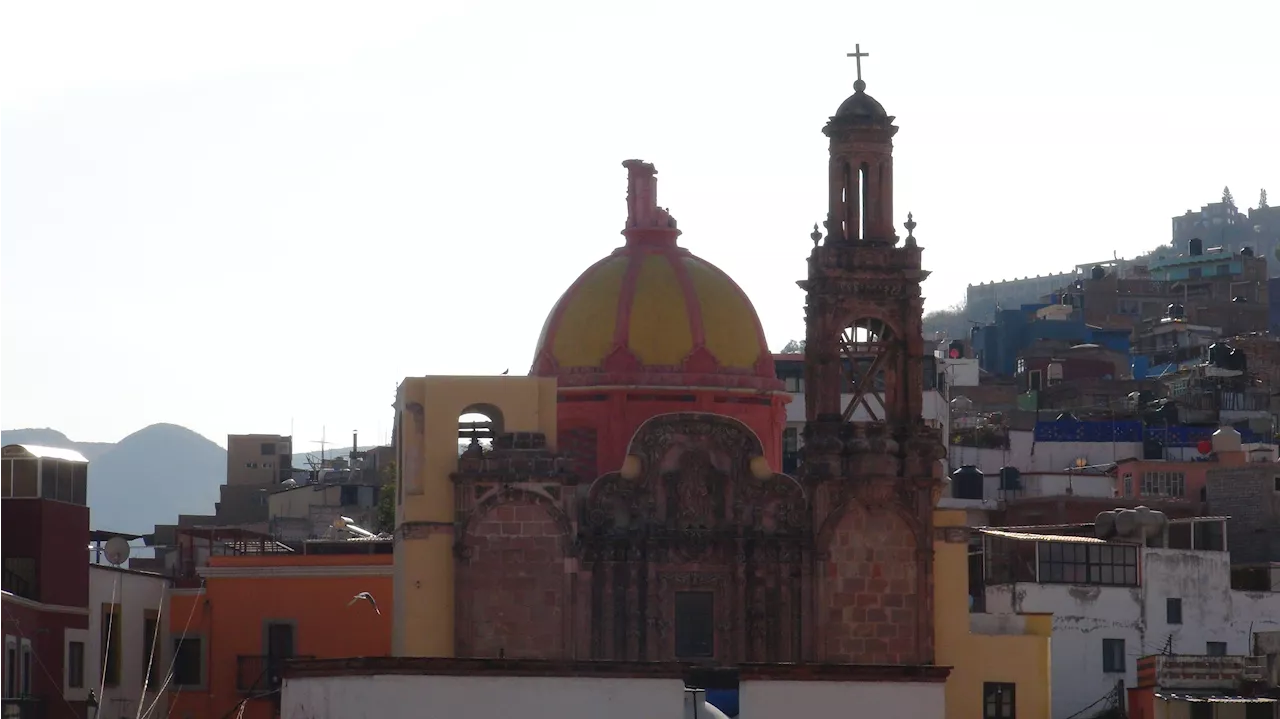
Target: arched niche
[(478, 425)]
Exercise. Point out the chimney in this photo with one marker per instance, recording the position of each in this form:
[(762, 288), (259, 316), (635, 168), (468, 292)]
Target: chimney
[(646, 222)]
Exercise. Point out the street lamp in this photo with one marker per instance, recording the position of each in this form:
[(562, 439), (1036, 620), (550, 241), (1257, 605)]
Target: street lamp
[(91, 706)]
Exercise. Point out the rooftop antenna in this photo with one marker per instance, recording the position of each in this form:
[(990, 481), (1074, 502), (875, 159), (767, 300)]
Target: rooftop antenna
[(322, 442)]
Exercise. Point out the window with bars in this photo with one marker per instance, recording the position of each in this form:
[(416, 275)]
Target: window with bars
[(1164, 484), (1128, 484), (1105, 564), (998, 700)]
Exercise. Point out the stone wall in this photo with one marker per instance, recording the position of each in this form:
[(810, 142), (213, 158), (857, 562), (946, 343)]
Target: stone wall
[(512, 598), (1248, 496), (871, 591)]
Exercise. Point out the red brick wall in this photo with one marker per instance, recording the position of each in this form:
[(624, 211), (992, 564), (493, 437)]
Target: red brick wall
[(511, 586), (870, 590)]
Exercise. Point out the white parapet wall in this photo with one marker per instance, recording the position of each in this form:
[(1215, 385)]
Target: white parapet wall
[(775, 699), (419, 696)]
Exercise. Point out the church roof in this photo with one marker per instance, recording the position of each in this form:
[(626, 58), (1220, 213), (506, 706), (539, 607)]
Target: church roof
[(653, 313)]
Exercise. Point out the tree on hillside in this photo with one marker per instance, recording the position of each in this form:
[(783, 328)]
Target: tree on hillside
[(794, 347), (1227, 199), (1262, 201), (951, 322)]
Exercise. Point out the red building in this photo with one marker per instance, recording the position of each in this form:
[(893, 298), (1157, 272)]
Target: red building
[(46, 582)]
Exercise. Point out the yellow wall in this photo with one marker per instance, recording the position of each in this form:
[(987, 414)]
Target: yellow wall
[(427, 411), (1022, 658)]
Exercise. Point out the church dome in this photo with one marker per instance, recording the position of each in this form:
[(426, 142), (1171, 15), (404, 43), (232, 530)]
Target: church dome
[(652, 313), (860, 105)]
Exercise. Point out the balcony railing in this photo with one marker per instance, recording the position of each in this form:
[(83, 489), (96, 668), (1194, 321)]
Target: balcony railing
[(260, 673), (23, 708)]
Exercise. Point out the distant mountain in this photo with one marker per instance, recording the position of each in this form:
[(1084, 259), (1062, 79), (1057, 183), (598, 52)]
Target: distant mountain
[(151, 476)]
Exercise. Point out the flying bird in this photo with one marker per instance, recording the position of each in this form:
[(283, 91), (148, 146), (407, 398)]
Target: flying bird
[(367, 597)]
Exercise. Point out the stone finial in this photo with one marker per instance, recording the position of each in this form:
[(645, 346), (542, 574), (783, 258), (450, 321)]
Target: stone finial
[(910, 225), (643, 213), (816, 235)]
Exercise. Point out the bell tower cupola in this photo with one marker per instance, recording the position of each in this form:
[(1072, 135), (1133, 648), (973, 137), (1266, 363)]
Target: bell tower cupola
[(860, 208)]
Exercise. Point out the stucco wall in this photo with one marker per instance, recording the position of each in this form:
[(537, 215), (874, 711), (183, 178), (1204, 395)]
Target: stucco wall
[(485, 697), (888, 700), (427, 434), (1086, 615), (980, 648), (138, 596)]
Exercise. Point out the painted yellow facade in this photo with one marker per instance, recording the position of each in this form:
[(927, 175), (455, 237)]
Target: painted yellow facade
[(427, 412), (984, 648)]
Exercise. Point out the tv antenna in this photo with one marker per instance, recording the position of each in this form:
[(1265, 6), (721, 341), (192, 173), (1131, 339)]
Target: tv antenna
[(322, 442), (116, 551)]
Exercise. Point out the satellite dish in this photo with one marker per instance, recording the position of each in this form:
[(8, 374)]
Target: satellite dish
[(289, 483), (117, 550)]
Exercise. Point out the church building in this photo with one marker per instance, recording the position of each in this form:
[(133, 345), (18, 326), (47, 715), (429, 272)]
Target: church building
[(622, 513)]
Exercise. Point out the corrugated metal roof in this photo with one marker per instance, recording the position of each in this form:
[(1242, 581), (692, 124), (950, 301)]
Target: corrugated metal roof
[(1213, 698), (1028, 537), (38, 452)]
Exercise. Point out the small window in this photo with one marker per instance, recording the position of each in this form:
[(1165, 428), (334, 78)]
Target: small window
[(1113, 656), (10, 667), (268, 448), (1173, 610), (1033, 383), (151, 649), (998, 700), (1215, 649), (111, 638), (26, 668), (75, 665), (695, 631), (188, 662), (1276, 480), (791, 439), (251, 465)]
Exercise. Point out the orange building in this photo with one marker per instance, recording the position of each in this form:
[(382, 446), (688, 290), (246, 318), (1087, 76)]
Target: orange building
[(231, 635)]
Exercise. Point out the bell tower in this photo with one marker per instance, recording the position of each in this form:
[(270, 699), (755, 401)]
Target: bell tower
[(868, 453)]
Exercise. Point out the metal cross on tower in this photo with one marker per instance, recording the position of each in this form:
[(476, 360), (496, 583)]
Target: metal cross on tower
[(858, 54)]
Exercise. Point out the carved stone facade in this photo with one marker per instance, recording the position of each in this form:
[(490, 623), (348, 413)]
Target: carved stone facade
[(552, 566), (691, 548), (874, 484)]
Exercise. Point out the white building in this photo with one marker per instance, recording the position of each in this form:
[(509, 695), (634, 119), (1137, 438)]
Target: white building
[(1116, 601), (427, 688), (127, 610)]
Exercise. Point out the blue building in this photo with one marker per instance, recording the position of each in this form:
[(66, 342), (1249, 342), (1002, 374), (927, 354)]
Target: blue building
[(998, 344)]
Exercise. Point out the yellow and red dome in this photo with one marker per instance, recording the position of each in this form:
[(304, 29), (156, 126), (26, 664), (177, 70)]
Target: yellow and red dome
[(652, 313)]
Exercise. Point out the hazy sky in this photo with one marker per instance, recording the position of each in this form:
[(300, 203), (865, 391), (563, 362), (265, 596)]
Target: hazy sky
[(237, 216)]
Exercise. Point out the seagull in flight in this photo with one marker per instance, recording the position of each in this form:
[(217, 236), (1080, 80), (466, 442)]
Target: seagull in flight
[(366, 597)]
